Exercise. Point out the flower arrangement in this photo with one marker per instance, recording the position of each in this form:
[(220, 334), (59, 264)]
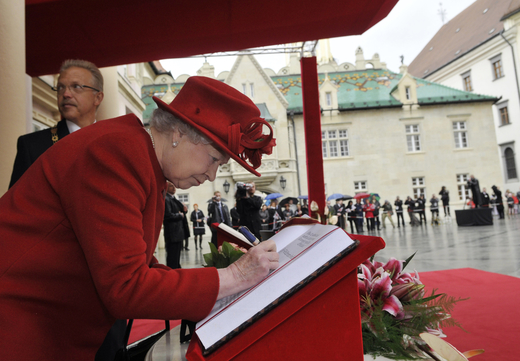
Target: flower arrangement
[(395, 311), (222, 257)]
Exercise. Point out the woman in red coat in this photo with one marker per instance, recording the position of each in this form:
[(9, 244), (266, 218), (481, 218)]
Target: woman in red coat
[(369, 209), (79, 229)]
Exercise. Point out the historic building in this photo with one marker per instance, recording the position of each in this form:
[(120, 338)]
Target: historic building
[(383, 132), (477, 51)]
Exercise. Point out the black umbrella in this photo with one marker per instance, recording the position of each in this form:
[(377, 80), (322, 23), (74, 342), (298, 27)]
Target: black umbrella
[(286, 200), (221, 199)]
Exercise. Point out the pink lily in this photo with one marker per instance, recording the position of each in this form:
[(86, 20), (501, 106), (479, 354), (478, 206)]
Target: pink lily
[(394, 267)]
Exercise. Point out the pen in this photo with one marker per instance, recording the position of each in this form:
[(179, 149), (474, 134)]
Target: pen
[(250, 236)]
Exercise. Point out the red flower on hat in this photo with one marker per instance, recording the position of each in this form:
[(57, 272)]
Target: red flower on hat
[(248, 141)]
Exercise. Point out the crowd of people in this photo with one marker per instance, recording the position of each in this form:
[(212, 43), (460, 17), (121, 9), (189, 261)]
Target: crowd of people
[(362, 214)]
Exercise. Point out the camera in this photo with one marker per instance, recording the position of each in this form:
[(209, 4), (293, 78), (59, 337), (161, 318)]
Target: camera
[(242, 189), (244, 186)]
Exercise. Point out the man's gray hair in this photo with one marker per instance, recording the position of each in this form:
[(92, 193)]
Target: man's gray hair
[(97, 78), (165, 122)]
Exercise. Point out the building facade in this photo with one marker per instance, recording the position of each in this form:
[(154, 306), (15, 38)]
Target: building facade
[(477, 51), (382, 132)]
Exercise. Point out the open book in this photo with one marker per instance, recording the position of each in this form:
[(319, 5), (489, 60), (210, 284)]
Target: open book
[(237, 237), (305, 251)]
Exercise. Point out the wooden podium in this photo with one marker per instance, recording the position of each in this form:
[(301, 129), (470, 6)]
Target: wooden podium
[(321, 321)]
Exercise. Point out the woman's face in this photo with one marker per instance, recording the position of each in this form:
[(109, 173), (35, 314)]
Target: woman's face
[(195, 207), (188, 164)]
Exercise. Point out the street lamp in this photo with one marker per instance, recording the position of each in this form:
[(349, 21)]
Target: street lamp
[(226, 186), (283, 182)]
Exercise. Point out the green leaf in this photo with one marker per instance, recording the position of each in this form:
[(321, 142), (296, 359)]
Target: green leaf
[(214, 251), (208, 258), (222, 261), (227, 249), (405, 263)]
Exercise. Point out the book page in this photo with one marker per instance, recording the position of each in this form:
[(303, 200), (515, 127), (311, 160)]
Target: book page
[(309, 251)]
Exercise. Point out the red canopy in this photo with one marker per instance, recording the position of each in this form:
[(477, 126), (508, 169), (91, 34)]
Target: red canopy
[(114, 32)]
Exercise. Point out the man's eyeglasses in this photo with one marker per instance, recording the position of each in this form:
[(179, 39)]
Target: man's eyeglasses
[(75, 88)]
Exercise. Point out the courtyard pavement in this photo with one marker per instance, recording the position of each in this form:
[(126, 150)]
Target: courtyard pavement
[(494, 248)]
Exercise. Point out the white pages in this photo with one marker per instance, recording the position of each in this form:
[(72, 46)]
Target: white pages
[(303, 249)]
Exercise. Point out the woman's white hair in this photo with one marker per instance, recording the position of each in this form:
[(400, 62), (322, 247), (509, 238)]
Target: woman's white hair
[(165, 122)]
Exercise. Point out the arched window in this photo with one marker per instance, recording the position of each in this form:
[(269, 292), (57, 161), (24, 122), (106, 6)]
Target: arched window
[(510, 163)]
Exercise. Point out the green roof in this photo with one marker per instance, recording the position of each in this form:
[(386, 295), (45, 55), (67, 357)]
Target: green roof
[(369, 88), (158, 90), (372, 88)]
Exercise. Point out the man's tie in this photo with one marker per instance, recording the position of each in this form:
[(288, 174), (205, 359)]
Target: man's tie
[(220, 210)]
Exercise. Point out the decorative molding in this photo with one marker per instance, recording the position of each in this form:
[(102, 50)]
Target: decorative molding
[(269, 82), (44, 119), (233, 69), (411, 118), (43, 95), (466, 115), (129, 94)]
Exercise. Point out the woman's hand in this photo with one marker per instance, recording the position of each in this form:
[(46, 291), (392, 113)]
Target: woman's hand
[(250, 269)]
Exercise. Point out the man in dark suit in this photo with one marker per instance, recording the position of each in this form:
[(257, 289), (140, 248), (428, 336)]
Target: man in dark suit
[(173, 228), (248, 207), (217, 213), (79, 94)]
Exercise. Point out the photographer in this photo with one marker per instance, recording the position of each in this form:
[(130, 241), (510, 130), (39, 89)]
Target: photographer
[(217, 213), (248, 207)]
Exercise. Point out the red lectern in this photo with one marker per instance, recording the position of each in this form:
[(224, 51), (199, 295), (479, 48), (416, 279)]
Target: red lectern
[(319, 322)]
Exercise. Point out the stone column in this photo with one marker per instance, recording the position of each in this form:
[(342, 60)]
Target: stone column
[(109, 108), (13, 85)]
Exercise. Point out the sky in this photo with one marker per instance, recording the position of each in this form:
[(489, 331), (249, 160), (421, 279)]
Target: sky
[(405, 31)]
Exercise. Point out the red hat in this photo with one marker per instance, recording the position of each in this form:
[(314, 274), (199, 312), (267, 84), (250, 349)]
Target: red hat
[(226, 116)]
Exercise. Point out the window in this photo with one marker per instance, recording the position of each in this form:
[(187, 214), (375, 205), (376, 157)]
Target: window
[(504, 116), (503, 113), (334, 143), (408, 93), (252, 88), (509, 157), (459, 132), (496, 67), (183, 198), (244, 88), (360, 186), (328, 99), (462, 186), (413, 138), (418, 187), (324, 144), (343, 143), (466, 81)]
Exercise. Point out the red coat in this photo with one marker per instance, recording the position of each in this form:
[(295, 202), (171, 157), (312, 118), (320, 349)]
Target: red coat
[(369, 210), (77, 237)]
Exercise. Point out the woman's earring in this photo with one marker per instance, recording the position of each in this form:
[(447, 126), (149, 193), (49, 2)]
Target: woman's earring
[(175, 144)]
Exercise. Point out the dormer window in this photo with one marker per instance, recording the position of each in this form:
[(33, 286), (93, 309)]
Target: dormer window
[(328, 99), (408, 93)]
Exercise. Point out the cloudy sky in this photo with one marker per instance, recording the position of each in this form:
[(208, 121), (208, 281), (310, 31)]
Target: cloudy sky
[(405, 31)]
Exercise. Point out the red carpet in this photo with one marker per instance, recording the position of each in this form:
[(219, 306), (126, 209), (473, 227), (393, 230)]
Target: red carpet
[(491, 316)]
